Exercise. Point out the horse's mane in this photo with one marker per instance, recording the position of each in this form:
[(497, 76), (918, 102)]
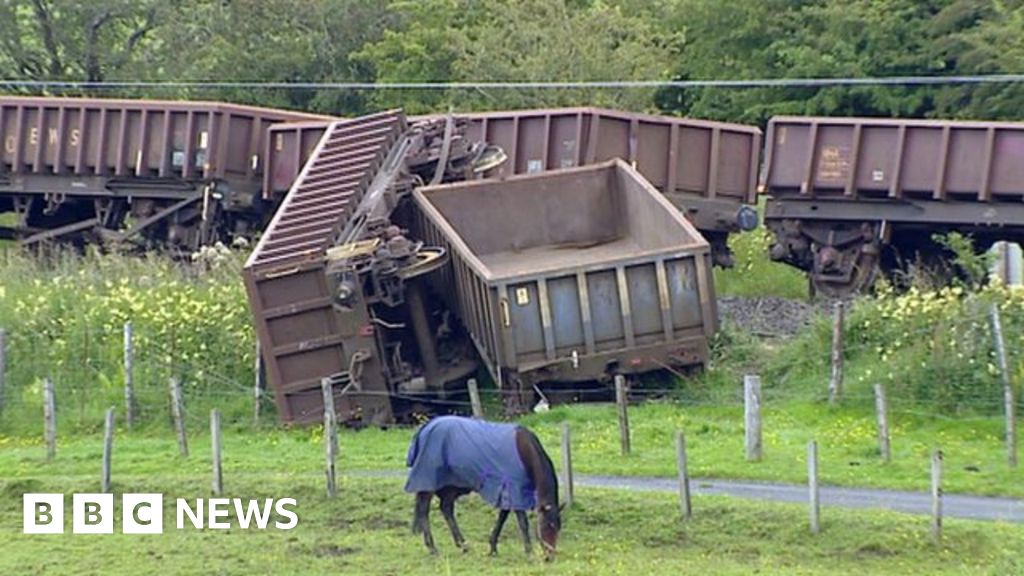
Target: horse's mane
[(547, 467)]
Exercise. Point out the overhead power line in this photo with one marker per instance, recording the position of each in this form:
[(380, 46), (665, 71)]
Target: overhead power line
[(751, 83)]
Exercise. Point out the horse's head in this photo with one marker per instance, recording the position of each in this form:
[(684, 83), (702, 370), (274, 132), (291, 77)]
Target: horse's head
[(549, 524)]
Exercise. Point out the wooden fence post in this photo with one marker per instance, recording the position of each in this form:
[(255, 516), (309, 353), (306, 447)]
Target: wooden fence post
[(882, 408), (835, 384), (567, 478), (752, 416), (684, 476), (218, 477), (474, 399), (812, 484), (178, 413), (1008, 401), (108, 445), (129, 375), (49, 419), (620, 400), (259, 384), (1003, 262), (330, 437), (937, 497), (3, 368)]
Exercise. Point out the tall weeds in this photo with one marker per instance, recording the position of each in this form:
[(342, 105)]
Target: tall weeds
[(64, 316)]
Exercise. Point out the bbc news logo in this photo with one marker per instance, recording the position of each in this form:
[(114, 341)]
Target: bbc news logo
[(144, 513)]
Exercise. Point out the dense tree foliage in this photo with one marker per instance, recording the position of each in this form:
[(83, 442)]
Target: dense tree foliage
[(92, 41), (446, 41), (518, 41)]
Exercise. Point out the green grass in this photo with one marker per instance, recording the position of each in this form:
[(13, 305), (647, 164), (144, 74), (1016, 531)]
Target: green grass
[(974, 454), (365, 530), (754, 274)]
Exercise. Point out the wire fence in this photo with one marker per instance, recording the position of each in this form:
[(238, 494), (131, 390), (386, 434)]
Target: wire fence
[(89, 376), (88, 372)]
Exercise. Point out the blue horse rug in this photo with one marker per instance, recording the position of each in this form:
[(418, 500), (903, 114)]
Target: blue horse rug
[(471, 454)]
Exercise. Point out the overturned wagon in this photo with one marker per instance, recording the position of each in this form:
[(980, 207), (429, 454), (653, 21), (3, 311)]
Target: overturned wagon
[(572, 275), (335, 284), (175, 173), (849, 197)]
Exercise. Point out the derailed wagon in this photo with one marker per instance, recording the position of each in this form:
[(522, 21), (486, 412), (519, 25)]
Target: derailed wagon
[(179, 174), (571, 275), (851, 197), (354, 286)]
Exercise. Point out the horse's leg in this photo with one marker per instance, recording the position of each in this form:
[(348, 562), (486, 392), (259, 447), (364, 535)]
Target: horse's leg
[(421, 519), (502, 516), (447, 498), (524, 528)]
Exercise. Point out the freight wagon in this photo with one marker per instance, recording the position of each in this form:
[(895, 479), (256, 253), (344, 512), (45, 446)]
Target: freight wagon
[(180, 174), (571, 275), (708, 170), (850, 197), (383, 302)]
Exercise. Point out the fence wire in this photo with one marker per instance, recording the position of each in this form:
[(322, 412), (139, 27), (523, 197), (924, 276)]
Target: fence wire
[(87, 371)]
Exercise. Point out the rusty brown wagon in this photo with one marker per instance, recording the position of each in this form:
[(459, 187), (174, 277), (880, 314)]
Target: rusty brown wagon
[(849, 197), (177, 173), (571, 275)]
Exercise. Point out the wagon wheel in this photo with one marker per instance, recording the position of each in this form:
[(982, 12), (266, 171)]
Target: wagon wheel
[(517, 396), (862, 278)]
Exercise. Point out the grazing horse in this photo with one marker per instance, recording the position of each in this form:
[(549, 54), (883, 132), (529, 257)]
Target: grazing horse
[(451, 456)]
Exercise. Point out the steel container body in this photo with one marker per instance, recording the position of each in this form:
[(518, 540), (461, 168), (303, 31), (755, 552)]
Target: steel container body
[(676, 155), (895, 159), (288, 147), (136, 138), (573, 274), (186, 173), (303, 336)]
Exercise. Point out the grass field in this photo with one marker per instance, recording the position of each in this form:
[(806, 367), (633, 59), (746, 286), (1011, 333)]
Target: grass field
[(366, 529), (848, 451)]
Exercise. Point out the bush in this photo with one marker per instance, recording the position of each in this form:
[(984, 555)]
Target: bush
[(937, 346), (932, 349)]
